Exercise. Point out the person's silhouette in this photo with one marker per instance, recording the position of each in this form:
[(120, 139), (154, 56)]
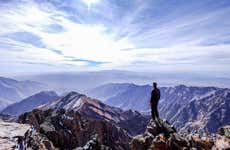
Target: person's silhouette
[(155, 96)]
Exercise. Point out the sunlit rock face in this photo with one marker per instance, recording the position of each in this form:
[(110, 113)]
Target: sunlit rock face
[(132, 121), (68, 129), (10, 134)]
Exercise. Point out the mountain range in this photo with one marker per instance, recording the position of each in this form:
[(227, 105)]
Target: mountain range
[(174, 102), (12, 91), (186, 107), (75, 121), (84, 80)]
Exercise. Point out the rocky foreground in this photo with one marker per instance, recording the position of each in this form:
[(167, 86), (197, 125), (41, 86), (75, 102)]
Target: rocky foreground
[(11, 134), (159, 135), (51, 130)]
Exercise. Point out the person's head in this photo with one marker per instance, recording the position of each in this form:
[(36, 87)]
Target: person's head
[(154, 85)]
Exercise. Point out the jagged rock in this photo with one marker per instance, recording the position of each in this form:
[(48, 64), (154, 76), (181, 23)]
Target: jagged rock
[(11, 134), (222, 143), (177, 142), (160, 126), (34, 140), (224, 131), (159, 144), (142, 141), (93, 144), (159, 135), (69, 129)]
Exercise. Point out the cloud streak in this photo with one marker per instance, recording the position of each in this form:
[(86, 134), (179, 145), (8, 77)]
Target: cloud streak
[(133, 35)]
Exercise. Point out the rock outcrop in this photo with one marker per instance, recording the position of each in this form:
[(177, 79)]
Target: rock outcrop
[(69, 129), (160, 135), (11, 134)]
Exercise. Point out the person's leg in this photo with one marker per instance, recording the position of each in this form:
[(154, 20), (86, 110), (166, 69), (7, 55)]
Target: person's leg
[(152, 112), (156, 113)]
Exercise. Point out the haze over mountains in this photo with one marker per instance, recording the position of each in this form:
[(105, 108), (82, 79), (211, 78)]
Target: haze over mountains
[(84, 80), (12, 91), (30, 103)]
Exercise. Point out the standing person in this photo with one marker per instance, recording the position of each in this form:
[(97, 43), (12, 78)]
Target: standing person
[(155, 96)]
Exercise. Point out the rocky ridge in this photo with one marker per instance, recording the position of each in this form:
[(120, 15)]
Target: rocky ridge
[(160, 135), (69, 130)]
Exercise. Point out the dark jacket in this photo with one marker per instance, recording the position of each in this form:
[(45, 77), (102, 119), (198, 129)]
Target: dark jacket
[(155, 96)]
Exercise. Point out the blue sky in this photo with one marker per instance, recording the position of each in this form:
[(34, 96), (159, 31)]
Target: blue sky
[(151, 35)]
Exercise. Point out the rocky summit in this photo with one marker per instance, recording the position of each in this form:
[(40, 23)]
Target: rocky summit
[(160, 135), (68, 130)]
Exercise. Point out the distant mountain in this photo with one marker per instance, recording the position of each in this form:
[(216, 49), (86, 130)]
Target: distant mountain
[(81, 81), (110, 90), (126, 96), (30, 103), (133, 121), (174, 100), (12, 91), (208, 113)]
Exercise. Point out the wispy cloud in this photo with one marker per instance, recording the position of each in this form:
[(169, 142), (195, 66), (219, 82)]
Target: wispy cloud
[(110, 34)]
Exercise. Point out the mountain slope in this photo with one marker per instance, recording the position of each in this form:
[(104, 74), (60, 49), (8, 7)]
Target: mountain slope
[(207, 113), (12, 91), (95, 109), (30, 103), (107, 91)]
